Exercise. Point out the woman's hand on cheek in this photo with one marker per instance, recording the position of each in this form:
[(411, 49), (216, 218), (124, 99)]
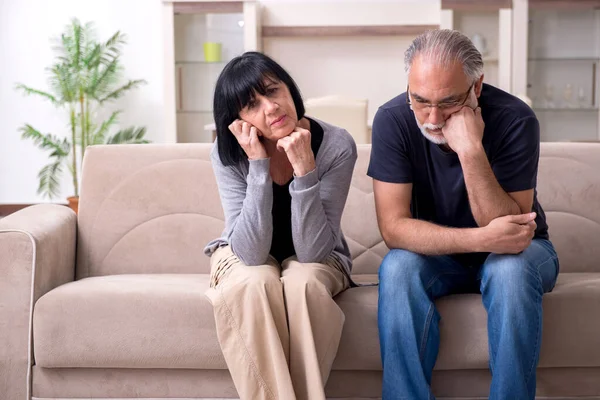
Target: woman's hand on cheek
[(298, 150), (248, 138)]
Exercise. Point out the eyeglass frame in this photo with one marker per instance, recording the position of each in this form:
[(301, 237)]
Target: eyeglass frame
[(431, 106)]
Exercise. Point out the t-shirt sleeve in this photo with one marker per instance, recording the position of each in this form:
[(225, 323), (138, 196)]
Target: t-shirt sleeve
[(515, 163), (390, 161)]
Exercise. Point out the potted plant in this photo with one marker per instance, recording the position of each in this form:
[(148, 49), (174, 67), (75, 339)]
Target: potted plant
[(84, 77)]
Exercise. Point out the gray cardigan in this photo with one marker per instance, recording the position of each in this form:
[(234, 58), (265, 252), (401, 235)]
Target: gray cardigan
[(318, 200)]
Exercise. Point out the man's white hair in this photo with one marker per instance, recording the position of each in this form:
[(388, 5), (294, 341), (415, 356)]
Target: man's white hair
[(445, 46)]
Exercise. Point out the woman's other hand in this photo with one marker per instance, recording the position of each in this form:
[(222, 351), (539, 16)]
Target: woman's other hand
[(248, 137), (297, 146)]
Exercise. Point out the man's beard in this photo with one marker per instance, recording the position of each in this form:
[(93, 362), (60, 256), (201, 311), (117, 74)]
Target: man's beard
[(436, 139), (440, 139)]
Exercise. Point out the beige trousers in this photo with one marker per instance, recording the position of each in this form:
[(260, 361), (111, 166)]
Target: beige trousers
[(278, 326)]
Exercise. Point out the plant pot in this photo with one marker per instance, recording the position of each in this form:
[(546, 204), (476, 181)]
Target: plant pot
[(74, 203), (212, 51)]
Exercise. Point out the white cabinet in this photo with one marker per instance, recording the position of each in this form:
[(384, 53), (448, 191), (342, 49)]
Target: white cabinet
[(205, 37), (562, 72)]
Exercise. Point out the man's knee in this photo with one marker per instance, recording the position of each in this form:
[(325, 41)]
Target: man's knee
[(511, 275), (401, 267), (402, 273)]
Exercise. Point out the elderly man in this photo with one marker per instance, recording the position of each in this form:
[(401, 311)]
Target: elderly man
[(454, 163)]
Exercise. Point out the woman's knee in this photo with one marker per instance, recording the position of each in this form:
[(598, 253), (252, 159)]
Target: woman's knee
[(251, 281), (302, 276), (314, 278)]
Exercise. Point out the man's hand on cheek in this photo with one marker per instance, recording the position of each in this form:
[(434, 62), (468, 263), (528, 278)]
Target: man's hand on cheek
[(464, 130)]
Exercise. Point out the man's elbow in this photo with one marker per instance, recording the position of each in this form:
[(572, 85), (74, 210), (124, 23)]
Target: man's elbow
[(391, 233)]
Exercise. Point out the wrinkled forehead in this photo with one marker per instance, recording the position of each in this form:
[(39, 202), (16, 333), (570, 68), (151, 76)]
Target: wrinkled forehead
[(426, 70), (433, 80)]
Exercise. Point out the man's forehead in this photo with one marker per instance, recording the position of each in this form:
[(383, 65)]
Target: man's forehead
[(426, 72)]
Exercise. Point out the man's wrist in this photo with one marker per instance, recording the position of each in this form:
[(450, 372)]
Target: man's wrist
[(471, 150), (477, 239)]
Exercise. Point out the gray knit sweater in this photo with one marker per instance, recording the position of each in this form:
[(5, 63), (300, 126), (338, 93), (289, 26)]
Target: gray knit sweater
[(318, 200)]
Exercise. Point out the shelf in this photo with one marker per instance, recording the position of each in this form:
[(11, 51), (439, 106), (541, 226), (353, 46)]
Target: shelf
[(476, 5), (208, 7), (588, 59), (200, 62), (581, 109), (194, 111), (366, 30), (564, 4)]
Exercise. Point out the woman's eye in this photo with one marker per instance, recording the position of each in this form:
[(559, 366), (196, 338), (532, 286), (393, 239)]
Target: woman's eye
[(271, 90)]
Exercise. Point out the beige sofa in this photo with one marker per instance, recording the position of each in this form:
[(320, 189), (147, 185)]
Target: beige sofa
[(110, 304)]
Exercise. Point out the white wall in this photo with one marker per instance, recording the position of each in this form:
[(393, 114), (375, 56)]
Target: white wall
[(350, 12), (26, 27), (358, 67), (369, 68)]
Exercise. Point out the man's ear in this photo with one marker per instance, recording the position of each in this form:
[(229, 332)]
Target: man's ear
[(479, 86)]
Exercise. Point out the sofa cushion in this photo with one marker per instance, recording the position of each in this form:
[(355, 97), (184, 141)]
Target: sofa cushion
[(165, 321), (126, 321), (571, 338)]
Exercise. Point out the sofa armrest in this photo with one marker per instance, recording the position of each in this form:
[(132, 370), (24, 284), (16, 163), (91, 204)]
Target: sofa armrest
[(37, 254)]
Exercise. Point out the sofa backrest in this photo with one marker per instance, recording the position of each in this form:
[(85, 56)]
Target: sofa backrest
[(152, 208), (569, 192), (146, 209)]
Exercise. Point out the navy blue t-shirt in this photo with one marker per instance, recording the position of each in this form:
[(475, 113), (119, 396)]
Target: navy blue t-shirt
[(401, 154)]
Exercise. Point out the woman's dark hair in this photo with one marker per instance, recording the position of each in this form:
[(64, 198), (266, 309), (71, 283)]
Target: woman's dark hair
[(241, 79)]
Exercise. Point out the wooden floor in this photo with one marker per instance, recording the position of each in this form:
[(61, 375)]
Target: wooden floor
[(6, 209)]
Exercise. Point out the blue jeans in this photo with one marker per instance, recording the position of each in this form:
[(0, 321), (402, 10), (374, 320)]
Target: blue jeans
[(511, 286)]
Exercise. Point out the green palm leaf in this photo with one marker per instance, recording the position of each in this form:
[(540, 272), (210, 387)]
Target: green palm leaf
[(63, 82), (29, 91), (130, 135), (49, 178), (59, 147), (121, 91), (99, 136), (103, 79), (112, 47)]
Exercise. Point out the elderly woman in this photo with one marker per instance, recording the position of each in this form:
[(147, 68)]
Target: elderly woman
[(283, 179)]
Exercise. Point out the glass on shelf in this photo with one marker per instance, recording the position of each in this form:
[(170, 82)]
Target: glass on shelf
[(581, 99), (562, 72), (549, 96), (568, 96)]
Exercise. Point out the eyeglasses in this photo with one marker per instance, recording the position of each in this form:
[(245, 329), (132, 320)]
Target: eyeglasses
[(426, 107)]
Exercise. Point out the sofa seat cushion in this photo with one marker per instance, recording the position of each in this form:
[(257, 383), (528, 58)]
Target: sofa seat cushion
[(128, 321), (571, 333), (165, 321)]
